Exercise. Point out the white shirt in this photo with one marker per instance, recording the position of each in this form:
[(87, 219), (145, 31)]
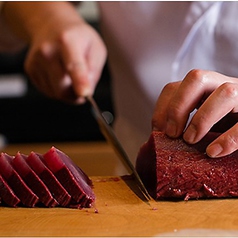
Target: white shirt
[(153, 43)]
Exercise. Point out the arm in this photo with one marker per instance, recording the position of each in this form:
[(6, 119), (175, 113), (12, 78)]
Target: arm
[(66, 55), (216, 98)]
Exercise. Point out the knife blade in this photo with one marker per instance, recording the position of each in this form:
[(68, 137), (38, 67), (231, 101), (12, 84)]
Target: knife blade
[(111, 138)]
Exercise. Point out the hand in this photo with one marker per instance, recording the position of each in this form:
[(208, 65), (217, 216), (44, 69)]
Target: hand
[(215, 96), (66, 55), (67, 64)]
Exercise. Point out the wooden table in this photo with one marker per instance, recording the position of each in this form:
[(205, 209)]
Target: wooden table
[(120, 211)]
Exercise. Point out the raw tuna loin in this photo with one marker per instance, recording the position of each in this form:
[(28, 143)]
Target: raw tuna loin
[(14, 180), (7, 194), (51, 180), (33, 181), (172, 169), (71, 177), (56, 188)]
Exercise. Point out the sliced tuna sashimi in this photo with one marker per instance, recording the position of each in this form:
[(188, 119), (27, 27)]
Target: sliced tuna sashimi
[(73, 179), (58, 191), (14, 180), (33, 181), (7, 194), (170, 168)]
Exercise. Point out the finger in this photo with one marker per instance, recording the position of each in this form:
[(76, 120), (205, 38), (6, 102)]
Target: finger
[(35, 69), (59, 82), (222, 101), (96, 59), (159, 119), (225, 144), (46, 72), (74, 54), (78, 72), (192, 91)]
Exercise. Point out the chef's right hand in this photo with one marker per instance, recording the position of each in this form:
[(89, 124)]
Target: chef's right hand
[(66, 55), (67, 65)]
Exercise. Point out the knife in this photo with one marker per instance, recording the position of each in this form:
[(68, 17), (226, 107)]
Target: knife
[(111, 138)]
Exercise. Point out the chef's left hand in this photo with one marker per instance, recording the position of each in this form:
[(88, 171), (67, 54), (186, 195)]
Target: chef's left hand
[(215, 96)]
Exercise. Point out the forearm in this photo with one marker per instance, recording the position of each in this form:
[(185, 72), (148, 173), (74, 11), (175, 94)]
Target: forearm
[(28, 18)]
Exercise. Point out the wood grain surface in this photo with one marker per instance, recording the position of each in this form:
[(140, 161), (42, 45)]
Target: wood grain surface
[(120, 211)]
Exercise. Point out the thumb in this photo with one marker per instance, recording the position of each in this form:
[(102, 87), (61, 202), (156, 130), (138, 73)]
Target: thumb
[(82, 79), (74, 52)]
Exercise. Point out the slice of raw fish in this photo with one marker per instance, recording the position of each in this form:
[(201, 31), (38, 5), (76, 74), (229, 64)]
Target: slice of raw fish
[(24, 193), (33, 181), (7, 195), (73, 179), (58, 191), (170, 168)]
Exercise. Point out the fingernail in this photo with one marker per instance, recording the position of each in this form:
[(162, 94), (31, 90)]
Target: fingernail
[(80, 100), (85, 88), (85, 91), (214, 150), (190, 134), (88, 87), (171, 128)]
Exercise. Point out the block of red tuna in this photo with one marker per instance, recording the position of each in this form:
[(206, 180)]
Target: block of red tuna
[(173, 169)]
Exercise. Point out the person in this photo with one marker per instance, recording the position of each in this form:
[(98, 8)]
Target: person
[(174, 63)]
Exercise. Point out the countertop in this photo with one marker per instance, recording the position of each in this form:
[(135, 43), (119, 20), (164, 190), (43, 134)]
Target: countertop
[(118, 211)]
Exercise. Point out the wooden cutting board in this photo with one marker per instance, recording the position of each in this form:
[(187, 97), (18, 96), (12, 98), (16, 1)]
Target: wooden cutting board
[(119, 211)]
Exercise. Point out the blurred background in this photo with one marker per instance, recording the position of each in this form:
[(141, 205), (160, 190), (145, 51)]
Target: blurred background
[(28, 116)]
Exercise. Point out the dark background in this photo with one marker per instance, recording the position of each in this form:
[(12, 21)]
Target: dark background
[(36, 118)]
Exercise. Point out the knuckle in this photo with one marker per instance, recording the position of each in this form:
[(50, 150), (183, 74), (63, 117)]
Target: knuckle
[(68, 33), (74, 67), (175, 110), (197, 76), (40, 54), (229, 142), (199, 121), (44, 51), (194, 73), (65, 36), (228, 90), (170, 87)]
